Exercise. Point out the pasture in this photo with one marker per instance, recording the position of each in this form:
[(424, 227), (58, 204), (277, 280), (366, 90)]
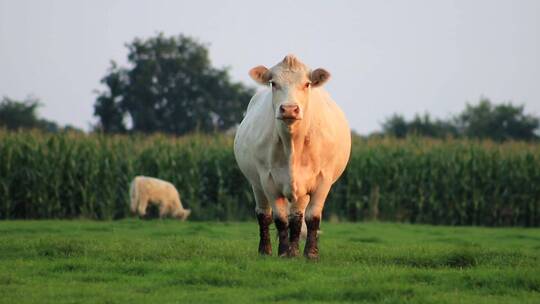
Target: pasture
[(166, 261)]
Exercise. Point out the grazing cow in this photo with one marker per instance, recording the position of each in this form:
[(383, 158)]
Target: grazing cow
[(292, 145), (148, 190)]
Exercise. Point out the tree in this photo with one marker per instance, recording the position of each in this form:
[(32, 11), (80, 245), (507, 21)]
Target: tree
[(498, 122), (484, 121), (16, 115), (169, 87), (395, 126), (108, 104), (399, 127), (425, 126)]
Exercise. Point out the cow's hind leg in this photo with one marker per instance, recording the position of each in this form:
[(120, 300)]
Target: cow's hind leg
[(134, 199), (296, 216), (264, 217), (141, 207)]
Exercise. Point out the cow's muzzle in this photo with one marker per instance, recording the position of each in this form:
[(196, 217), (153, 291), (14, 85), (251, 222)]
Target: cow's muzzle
[(289, 112)]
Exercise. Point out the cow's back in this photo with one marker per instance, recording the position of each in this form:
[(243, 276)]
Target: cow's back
[(155, 188)]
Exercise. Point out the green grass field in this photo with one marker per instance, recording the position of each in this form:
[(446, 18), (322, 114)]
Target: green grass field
[(133, 261)]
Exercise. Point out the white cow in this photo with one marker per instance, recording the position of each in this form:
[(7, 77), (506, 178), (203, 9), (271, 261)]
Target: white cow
[(148, 190), (292, 145)]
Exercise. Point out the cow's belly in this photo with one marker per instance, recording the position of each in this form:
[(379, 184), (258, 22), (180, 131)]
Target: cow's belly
[(294, 186)]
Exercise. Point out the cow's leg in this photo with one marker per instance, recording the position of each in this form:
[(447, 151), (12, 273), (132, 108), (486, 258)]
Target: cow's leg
[(264, 217), (311, 250), (313, 220), (296, 216), (280, 208), (164, 209), (141, 207), (134, 199)]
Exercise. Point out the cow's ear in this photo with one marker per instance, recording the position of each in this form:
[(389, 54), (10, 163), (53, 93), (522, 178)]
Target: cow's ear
[(319, 77), (260, 74)]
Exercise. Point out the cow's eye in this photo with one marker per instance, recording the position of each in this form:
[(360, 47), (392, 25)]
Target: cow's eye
[(273, 84), (307, 85)]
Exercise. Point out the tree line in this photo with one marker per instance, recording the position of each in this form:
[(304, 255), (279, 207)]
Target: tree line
[(22, 114), (170, 86), (484, 120)]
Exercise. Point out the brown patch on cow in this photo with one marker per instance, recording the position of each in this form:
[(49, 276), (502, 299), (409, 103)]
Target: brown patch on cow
[(311, 251), (283, 235), (307, 140), (265, 245), (295, 227)]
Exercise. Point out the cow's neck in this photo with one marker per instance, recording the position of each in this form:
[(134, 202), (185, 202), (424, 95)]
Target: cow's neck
[(292, 142), (293, 139)]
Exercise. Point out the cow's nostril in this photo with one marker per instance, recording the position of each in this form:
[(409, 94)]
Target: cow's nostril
[(289, 110)]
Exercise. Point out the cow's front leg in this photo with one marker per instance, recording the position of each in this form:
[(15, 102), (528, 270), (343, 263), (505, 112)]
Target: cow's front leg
[(311, 251), (296, 216), (282, 226), (280, 211), (295, 227), (264, 217), (313, 220), (265, 245)]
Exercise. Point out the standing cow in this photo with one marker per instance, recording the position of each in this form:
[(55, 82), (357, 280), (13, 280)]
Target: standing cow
[(292, 145)]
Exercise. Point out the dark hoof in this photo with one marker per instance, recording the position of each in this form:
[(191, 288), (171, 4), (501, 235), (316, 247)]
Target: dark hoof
[(283, 252), (312, 256), (293, 252), (265, 250)]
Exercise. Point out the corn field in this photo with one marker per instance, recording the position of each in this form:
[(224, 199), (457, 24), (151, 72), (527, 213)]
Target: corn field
[(452, 182)]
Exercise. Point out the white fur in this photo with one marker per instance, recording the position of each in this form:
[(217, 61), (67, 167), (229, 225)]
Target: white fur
[(291, 165), (148, 190)]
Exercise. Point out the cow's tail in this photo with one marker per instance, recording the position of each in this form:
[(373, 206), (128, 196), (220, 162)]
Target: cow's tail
[(134, 197)]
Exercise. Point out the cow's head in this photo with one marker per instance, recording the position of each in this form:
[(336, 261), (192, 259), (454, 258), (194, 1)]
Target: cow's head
[(182, 214), (291, 82)]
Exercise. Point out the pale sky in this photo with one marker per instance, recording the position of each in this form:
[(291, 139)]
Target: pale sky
[(385, 56)]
